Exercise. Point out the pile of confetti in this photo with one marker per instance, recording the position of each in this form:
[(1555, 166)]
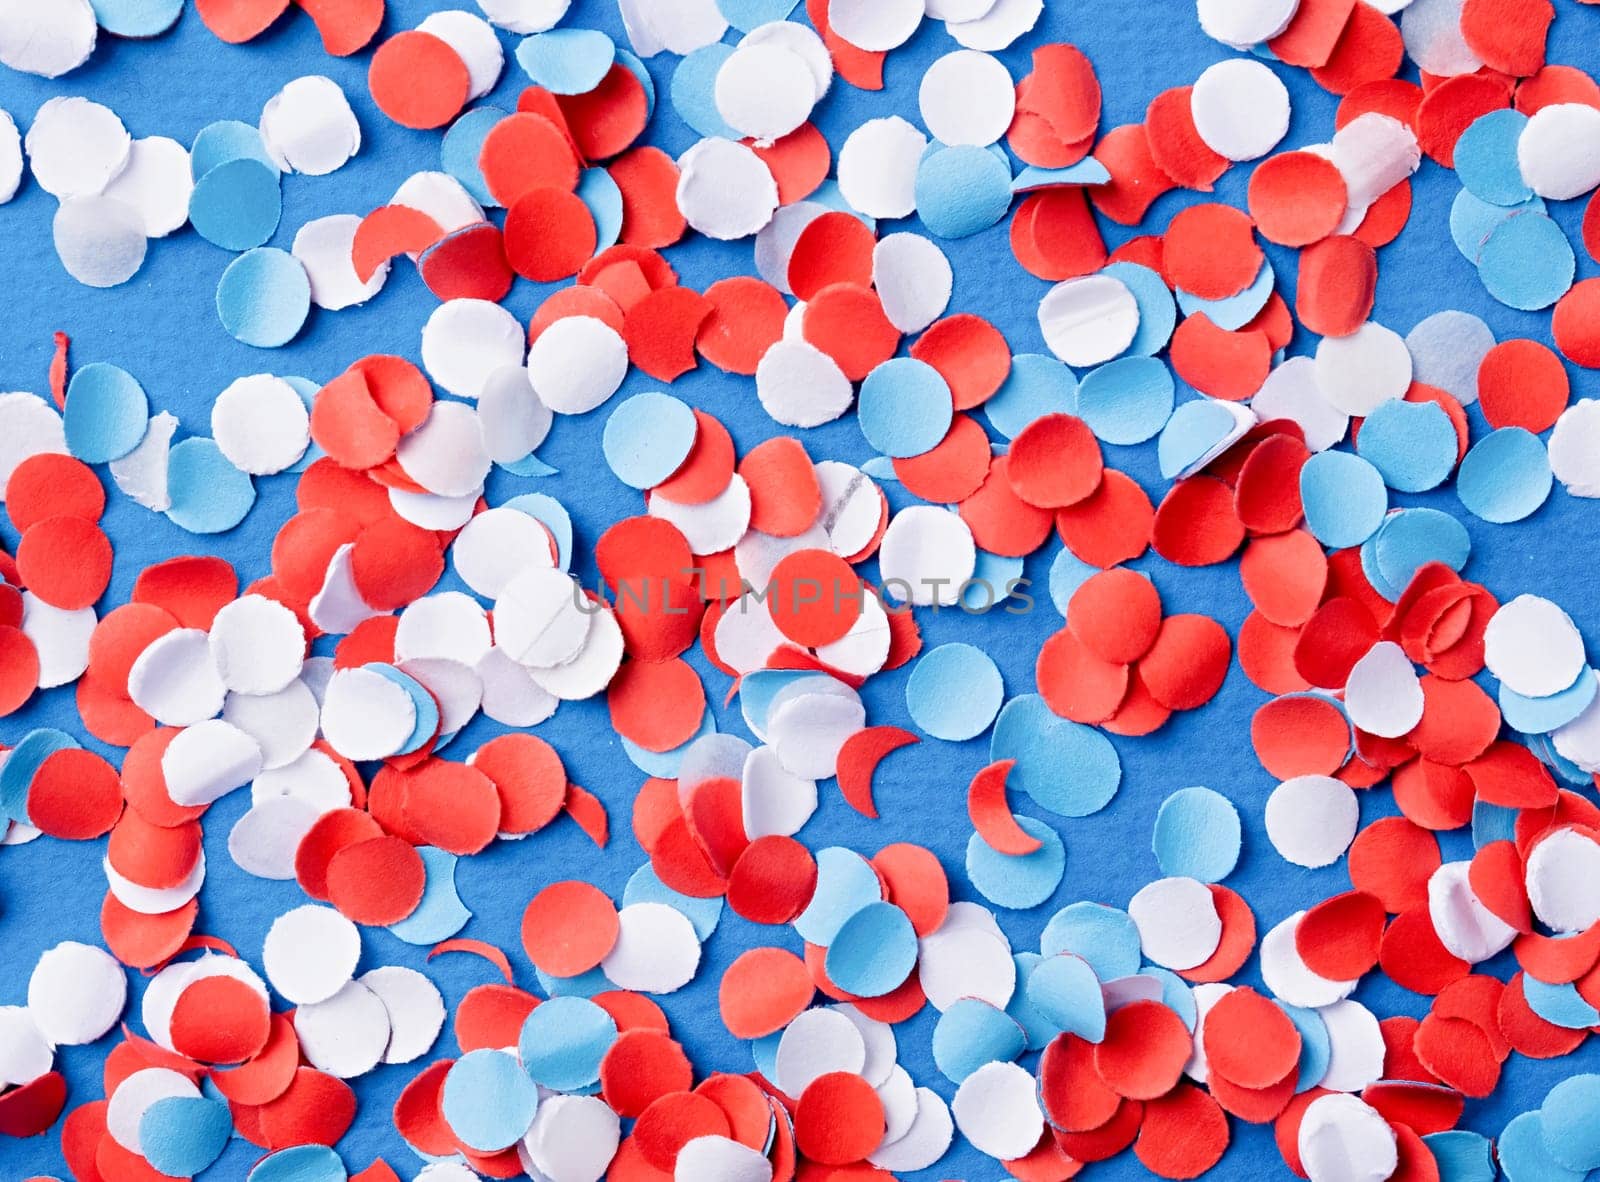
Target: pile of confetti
[(686, 452)]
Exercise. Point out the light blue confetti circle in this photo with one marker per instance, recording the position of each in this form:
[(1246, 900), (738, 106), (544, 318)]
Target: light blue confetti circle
[(137, 18), (1197, 835), (962, 191), (1175, 994), (1525, 1155), (1486, 158), (106, 415), (1194, 429), (24, 761), (1068, 768), (954, 692), (1018, 882), (529, 465), (1505, 477), (1527, 262), (759, 690), (1127, 401), (1236, 311), (1561, 1005), (905, 408), (551, 514), (645, 886), (665, 763), (584, 985), (1064, 989), (226, 140), (1104, 936), (567, 61), (183, 1135), (1036, 1026), (873, 952), (846, 883), (1036, 386), (209, 495), (996, 582), (647, 438), (764, 1053), (881, 469), (1374, 572), (1462, 1156), (264, 298), (299, 1163), (424, 703), (1412, 538), (1570, 1120), (1540, 716), (1472, 220), (1316, 1048), (693, 91), (441, 914), (1412, 444), (603, 198), (748, 15), (308, 390), (237, 204), (972, 1033), (488, 1099), (563, 1041), (1068, 572), (1344, 498), (1087, 171), (629, 61)]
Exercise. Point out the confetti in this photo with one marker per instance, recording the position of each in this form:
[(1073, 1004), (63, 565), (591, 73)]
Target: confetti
[(1240, 109), (264, 297), (1311, 820), (419, 80), (1197, 835), (100, 240), (1090, 320), (156, 181), (740, 629), (308, 127)]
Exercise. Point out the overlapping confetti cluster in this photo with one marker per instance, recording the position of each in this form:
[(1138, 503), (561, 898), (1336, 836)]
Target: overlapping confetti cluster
[(763, 942)]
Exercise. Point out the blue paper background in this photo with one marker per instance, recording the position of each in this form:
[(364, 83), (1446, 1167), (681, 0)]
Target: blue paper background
[(163, 328)]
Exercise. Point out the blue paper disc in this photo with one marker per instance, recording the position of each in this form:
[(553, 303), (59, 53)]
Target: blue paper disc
[(1127, 401), (237, 204), (1197, 835), (647, 438), (106, 415), (954, 692), (488, 1099), (136, 18), (567, 60), (563, 1041), (961, 191), (1344, 498), (209, 495), (1527, 262), (264, 298), (905, 407), (873, 952), (1506, 476), (1018, 881), (1069, 768)]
